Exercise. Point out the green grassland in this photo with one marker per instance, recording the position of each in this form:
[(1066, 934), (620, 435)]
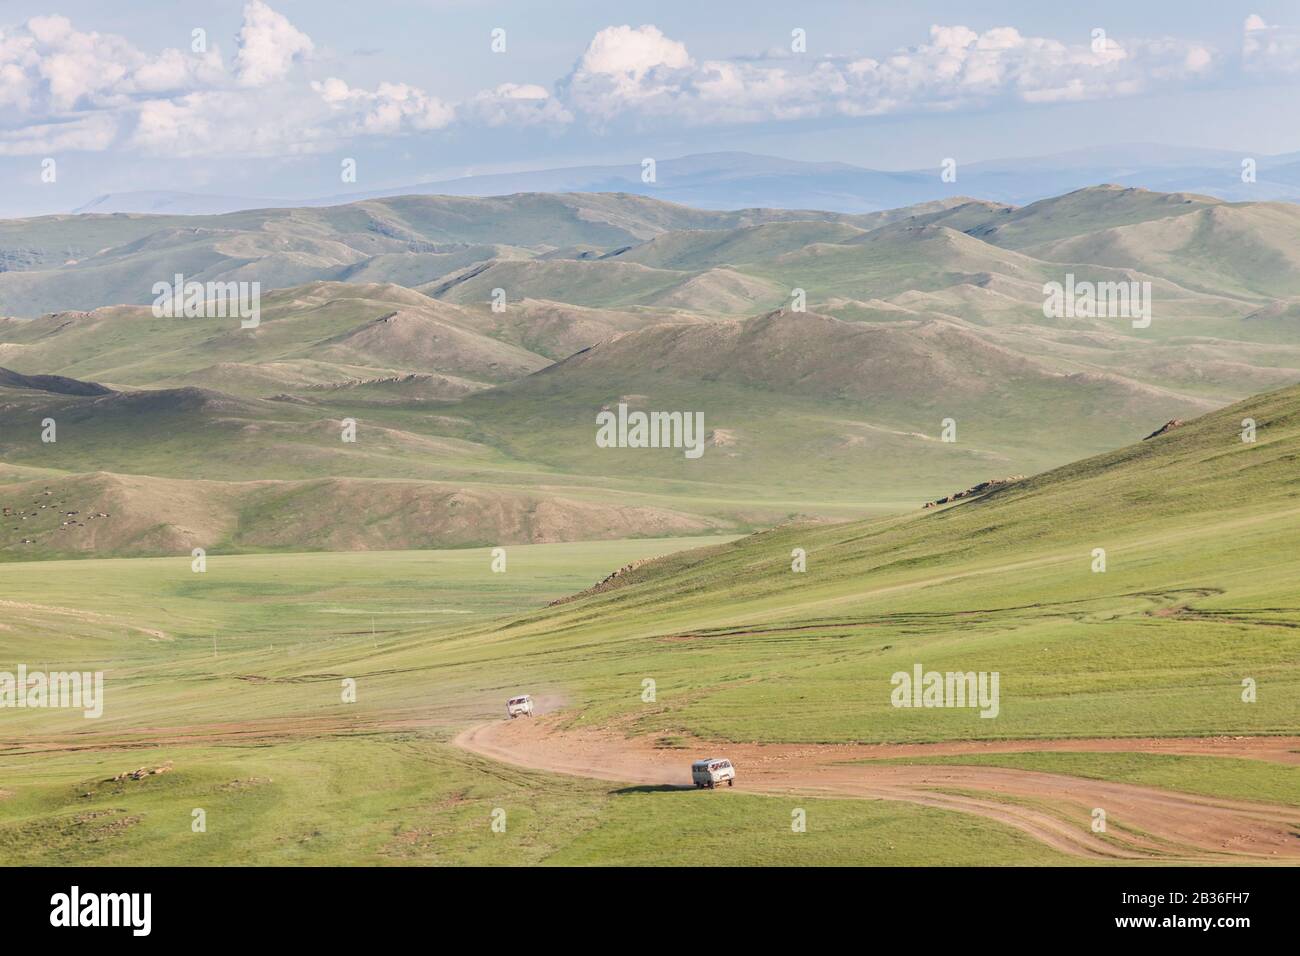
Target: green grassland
[(177, 647), (1199, 593), (407, 799)]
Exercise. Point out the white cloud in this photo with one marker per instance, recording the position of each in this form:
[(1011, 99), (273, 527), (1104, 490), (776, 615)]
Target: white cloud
[(65, 89), (1269, 49), (174, 126), (173, 70), (391, 109), (268, 45), (231, 122), (627, 57), (625, 67), (514, 104), (55, 78), (628, 72), (49, 68), (629, 54), (1198, 58), (92, 133)]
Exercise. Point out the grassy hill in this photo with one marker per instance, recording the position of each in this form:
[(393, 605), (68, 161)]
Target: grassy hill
[(230, 679), (58, 263), (1199, 592), (134, 515), (314, 334), (707, 248), (1091, 209), (1245, 250), (915, 315), (821, 408)]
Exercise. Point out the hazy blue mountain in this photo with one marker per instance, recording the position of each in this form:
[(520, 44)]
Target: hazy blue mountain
[(167, 202), (745, 180)]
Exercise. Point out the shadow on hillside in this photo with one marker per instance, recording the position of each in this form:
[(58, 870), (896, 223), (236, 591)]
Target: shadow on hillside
[(654, 788)]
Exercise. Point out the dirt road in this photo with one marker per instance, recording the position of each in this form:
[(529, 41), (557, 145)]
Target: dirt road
[(1143, 823)]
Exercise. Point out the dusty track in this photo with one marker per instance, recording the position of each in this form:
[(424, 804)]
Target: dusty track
[(1144, 823)]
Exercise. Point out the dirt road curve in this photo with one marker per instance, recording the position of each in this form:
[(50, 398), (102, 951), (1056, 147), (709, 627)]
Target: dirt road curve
[(1143, 823)]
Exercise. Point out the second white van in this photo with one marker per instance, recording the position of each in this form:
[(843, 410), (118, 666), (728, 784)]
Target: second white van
[(710, 773)]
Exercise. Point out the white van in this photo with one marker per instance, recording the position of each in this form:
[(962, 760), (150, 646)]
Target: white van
[(517, 706), (710, 773)]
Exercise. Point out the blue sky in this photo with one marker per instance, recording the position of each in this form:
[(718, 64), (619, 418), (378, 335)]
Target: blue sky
[(283, 91)]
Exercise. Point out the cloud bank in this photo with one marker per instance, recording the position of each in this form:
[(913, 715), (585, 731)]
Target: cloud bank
[(64, 89)]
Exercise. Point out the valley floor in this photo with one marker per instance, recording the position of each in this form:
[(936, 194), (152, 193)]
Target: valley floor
[(1141, 609)]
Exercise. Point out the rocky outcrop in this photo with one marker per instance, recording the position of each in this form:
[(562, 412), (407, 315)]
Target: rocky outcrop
[(609, 581), (141, 773), (981, 488), (1166, 427)]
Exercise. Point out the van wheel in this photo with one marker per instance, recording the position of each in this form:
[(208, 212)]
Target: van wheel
[(730, 782)]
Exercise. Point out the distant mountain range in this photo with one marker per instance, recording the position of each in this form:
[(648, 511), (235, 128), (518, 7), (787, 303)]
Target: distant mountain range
[(744, 180)]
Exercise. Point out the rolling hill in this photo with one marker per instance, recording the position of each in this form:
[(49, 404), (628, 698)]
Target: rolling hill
[(103, 513), (1087, 210), (811, 405), (915, 316), (1245, 250), (59, 263), (321, 333), (1200, 532)]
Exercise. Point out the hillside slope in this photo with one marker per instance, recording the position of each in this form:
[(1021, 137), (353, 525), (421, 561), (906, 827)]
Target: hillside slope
[(1198, 592), (535, 313), (59, 263), (816, 406), (319, 333), (103, 514)]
